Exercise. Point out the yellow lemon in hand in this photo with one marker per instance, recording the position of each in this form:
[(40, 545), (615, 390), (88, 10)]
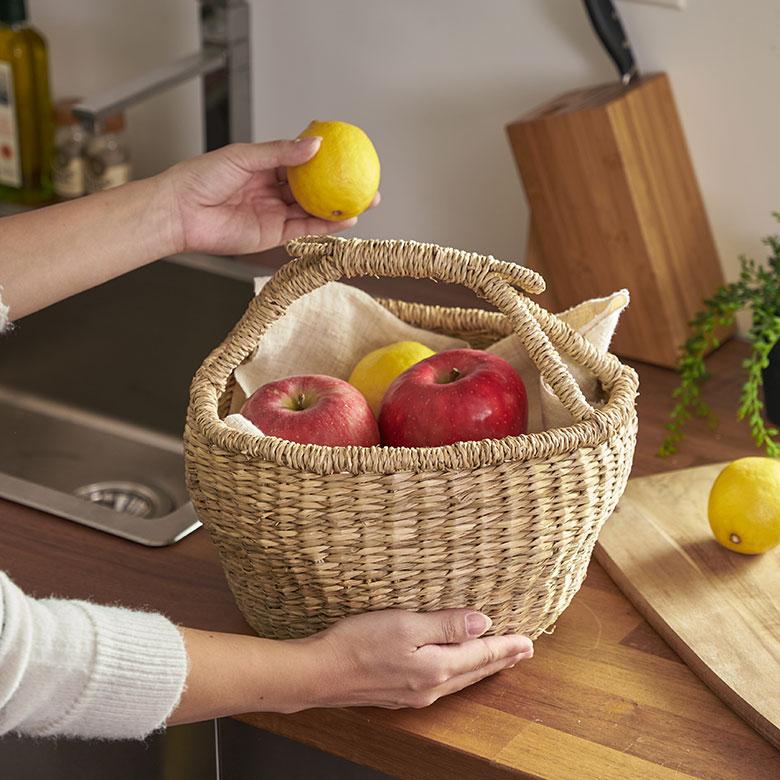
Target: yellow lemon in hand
[(341, 180), (377, 370), (744, 505)]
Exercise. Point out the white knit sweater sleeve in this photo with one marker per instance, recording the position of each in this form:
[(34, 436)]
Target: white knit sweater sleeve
[(4, 318), (73, 668)]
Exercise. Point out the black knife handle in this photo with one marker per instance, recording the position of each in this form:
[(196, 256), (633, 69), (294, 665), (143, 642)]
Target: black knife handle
[(606, 22)]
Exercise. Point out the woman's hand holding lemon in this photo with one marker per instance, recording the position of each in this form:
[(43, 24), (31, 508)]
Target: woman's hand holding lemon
[(237, 200)]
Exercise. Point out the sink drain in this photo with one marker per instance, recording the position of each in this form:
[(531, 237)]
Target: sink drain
[(131, 498)]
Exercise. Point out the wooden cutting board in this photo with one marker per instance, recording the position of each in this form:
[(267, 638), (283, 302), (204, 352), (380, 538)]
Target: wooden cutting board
[(718, 609)]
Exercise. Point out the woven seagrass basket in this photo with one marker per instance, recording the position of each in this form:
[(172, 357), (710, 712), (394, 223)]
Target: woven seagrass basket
[(308, 534)]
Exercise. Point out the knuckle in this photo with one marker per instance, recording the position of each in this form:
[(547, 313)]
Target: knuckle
[(415, 684), (434, 671), (276, 149), (426, 680), (236, 151), (406, 626), (450, 631), (487, 656), (407, 629), (423, 700), (434, 677)]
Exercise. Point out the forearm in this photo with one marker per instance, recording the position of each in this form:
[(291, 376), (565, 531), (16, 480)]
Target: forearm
[(50, 254), (230, 674)]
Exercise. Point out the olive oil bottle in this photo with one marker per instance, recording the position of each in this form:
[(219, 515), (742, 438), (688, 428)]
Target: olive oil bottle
[(26, 122)]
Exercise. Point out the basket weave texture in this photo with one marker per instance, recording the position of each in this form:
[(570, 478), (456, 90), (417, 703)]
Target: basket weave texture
[(308, 534)]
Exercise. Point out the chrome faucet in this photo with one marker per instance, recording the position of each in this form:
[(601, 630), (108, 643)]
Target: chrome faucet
[(224, 64)]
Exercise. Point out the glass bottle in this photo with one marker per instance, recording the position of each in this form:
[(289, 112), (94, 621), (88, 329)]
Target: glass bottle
[(107, 157), (26, 130), (70, 140)]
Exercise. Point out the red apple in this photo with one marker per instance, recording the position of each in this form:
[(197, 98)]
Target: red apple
[(456, 395), (313, 409)]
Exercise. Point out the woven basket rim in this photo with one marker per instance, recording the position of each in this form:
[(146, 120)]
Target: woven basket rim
[(617, 412)]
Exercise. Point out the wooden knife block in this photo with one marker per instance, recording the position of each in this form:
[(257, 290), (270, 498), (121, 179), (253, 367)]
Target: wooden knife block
[(614, 203)]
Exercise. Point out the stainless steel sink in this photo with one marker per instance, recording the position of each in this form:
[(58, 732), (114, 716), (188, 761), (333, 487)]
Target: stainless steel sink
[(93, 395)]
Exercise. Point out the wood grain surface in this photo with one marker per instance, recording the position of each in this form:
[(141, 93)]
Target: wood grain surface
[(604, 696), (615, 203), (718, 609)]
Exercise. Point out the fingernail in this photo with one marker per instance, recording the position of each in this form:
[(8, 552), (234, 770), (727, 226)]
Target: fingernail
[(314, 140), (477, 623)]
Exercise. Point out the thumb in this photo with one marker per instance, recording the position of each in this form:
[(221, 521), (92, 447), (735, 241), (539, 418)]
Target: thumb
[(273, 154), (449, 626)]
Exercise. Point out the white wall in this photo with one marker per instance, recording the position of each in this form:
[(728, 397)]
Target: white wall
[(434, 81)]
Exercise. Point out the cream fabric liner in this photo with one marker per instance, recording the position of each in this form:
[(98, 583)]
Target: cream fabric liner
[(331, 328)]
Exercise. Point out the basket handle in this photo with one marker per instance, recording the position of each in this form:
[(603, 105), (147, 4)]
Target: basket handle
[(319, 260)]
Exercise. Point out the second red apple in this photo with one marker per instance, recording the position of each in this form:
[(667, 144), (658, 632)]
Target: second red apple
[(456, 395)]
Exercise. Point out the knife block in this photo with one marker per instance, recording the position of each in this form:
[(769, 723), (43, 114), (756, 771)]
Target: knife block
[(614, 203)]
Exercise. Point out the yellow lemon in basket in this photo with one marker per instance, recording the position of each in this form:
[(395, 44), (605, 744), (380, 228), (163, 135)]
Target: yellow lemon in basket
[(744, 505), (377, 370), (341, 180)]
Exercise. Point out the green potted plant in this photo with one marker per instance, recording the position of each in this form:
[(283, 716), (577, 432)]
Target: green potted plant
[(757, 290)]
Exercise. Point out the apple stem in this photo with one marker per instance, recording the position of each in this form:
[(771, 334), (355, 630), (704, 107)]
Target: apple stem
[(299, 402), (454, 374)]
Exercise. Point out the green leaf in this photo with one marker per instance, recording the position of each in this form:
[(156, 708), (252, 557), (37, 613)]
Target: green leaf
[(758, 290)]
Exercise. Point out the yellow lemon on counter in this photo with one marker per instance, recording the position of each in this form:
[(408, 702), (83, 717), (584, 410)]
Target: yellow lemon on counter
[(341, 180), (744, 505), (377, 370)]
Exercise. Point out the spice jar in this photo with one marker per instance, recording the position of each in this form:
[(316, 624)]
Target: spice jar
[(107, 156), (69, 142)]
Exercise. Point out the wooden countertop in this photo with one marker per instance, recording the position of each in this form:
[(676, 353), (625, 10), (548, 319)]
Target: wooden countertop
[(604, 696)]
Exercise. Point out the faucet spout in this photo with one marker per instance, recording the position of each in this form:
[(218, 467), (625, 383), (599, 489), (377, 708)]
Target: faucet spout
[(223, 64), (92, 111)]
